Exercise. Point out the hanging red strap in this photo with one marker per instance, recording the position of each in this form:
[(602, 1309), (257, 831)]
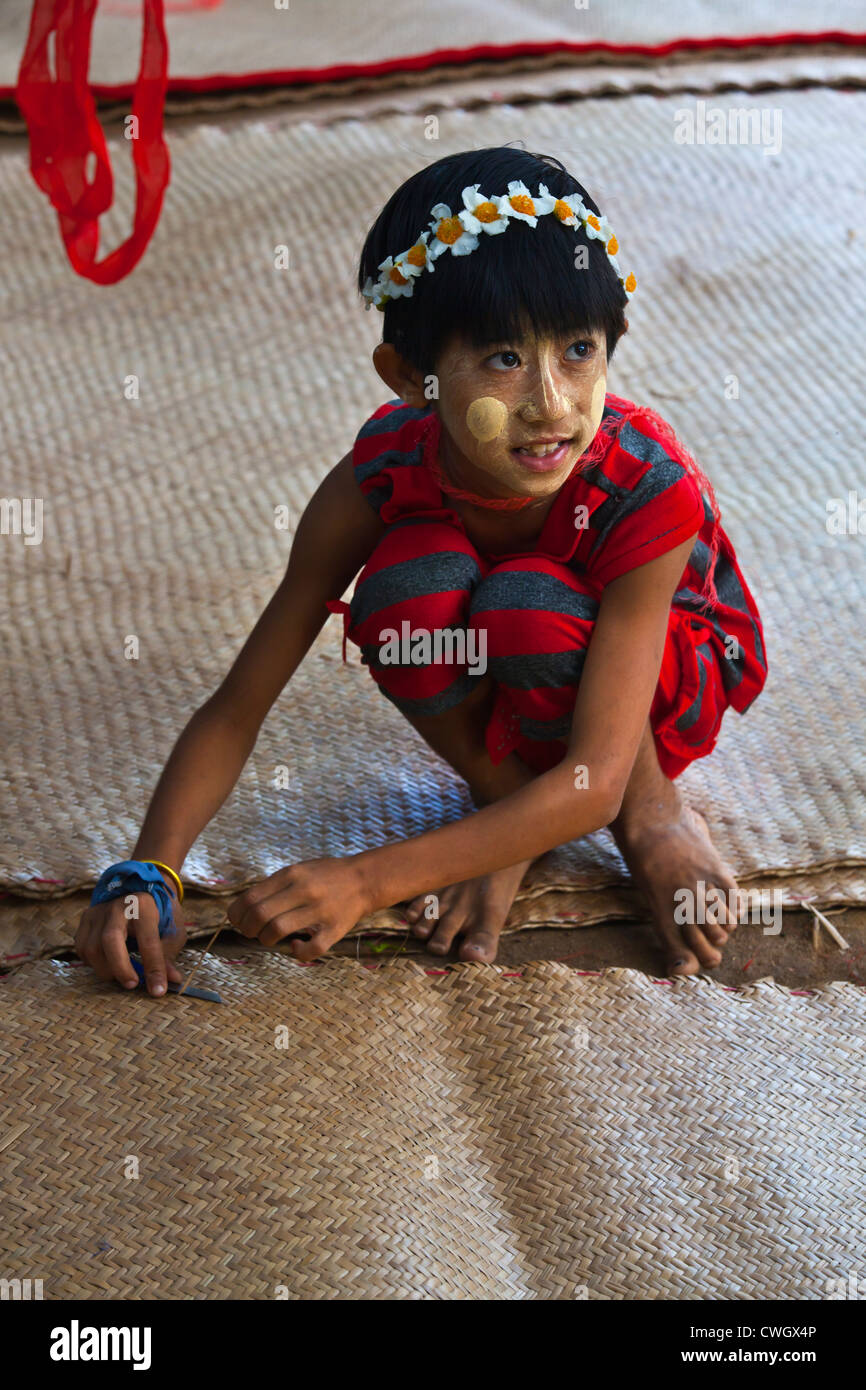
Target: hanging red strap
[(338, 605), (66, 136)]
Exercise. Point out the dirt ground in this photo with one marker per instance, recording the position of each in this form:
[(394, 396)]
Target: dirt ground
[(790, 958)]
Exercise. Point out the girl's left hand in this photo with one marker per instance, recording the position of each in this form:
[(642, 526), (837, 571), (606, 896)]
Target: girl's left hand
[(325, 897)]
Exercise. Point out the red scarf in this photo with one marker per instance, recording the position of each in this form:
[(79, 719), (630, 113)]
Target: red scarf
[(65, 133)]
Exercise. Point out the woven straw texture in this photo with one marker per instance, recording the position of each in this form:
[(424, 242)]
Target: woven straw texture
[(159, 511), (34, 927), (538, 78), (246, 36), (333, 1133)]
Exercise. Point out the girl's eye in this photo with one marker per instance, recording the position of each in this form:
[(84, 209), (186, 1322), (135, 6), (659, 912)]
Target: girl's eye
[(506, 352), (585, 344)]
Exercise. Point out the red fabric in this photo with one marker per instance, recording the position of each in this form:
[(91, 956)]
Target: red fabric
[(661, 524), (658, 526), (337, 605), (691, 681), (66, 136), (642, 497), (445, 607)]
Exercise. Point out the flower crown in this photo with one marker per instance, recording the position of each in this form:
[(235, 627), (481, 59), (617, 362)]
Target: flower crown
[(459, 233)]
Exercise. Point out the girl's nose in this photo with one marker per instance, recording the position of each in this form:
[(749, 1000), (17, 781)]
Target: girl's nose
[(548, 400)]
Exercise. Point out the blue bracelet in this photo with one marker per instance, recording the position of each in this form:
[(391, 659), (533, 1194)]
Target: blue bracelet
[(136, 876)]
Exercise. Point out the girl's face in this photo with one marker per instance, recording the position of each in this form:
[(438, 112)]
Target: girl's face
[(498, 405)]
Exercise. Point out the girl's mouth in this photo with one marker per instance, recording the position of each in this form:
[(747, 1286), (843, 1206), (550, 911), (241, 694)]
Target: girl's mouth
[(543, 462)]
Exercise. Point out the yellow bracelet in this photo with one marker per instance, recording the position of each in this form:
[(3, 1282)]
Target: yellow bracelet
[(156, 864)]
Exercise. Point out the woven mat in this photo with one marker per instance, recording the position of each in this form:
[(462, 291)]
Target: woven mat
[(33, 927), (520, 80), (239, 37), (334, 1133), (158, 513)]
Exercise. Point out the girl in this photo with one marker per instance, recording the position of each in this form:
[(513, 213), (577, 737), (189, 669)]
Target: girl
[(545, 592)]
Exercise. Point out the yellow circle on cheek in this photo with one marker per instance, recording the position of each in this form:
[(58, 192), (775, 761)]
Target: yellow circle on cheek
[(486, 418), (589, 425), (596, 404)]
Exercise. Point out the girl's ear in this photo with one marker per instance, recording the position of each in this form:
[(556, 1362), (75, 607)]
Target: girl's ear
[(399, 375)]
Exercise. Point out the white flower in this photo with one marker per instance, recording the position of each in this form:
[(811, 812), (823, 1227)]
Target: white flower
[(411, 262), (449, 233), (460, 233), (567, 210), (377, 293), (599, 228), (595, 226), (396, 278), (481, 214), (518, 202)]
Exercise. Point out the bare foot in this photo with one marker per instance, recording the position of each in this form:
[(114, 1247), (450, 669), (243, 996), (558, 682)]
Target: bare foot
[(476, 909), (673, 855)]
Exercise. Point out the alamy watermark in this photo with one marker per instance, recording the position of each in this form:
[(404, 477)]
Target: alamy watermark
[(22, 516), (77, 1343), (695, 909), (846, 516), (20, 1290), (734, 125), (437, 646)]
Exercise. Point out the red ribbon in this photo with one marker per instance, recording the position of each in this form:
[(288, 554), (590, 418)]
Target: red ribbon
[(66, 136)]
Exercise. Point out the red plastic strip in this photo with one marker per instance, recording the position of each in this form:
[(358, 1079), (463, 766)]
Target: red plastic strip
[(456, 57), (132, 8), (66, 137)]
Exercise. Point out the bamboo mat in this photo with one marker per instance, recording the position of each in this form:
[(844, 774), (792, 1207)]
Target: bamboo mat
[(334, 1133), (158, 512), (218, 41)]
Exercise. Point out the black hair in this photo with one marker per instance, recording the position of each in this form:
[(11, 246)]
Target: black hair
[(521, 280)]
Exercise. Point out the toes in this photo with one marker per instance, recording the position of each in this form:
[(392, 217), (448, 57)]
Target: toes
[(447, 928), (414, 912), (722, 911), (685, 962), (420, 924), (679, 960), (737, 901), (481, 943), (714, 931), (705, 951)]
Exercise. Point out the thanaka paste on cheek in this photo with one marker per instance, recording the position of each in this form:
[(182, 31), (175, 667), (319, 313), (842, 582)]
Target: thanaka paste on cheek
[(589, 424), (486, 417)]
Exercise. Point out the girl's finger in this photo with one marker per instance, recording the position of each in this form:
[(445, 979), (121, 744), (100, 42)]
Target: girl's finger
[(152, 958), (114, 956), (258, 915), (319, 943), (239, 907), (298, 919)]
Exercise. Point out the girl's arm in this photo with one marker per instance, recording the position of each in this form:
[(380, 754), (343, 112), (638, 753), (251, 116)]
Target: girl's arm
[(336, 535), (617, 684)]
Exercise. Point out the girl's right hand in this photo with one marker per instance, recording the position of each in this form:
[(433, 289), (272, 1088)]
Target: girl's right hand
[(101, 941)]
